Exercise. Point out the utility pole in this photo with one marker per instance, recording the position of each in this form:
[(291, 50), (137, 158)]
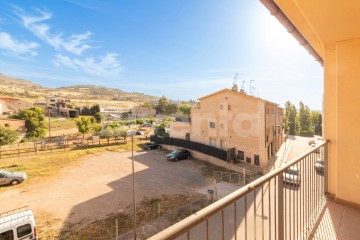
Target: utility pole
[(48, 108), (133, 184)]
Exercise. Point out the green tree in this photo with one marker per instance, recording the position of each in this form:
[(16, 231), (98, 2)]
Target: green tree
[(162, 105), (124, 134), (318, 127), (7, 136), (84, 125), (106, 133), (304, 119), (99, 117), (185, 109), (34, 122), (290, 121), (171, 108), (94, 109)]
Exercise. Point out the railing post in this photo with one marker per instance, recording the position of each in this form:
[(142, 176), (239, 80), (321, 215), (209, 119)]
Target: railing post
[(280, 207), (326, 168)]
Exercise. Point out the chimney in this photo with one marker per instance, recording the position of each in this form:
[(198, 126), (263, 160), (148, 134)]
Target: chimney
[(234, 87)]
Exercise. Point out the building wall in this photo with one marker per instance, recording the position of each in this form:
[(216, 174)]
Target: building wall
[(342, 117), (237, 121), (143, 112), (51, 101), (179, 130)]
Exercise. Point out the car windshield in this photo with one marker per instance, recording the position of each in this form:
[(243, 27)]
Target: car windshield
[(5, 172), (292, 171), (176, 152)]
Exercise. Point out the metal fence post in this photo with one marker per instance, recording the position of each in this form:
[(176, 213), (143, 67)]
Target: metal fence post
[(326, 168), (280, 207)]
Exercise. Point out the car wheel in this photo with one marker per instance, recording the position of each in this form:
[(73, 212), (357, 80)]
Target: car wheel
[(158, 147), (176, 159), (148, 149), (14, 182), (188, 156)]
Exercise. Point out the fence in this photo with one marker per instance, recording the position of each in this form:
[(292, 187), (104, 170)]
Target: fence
[(282, 204), (164, 220), (62, 144), (199, 147)]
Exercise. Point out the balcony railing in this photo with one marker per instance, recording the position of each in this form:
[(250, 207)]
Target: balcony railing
[(278, 205)]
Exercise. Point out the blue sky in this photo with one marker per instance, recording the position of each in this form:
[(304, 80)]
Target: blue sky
[(180, 49)]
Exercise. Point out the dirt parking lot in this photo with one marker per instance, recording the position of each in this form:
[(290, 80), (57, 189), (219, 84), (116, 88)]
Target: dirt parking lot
[(102, 184)]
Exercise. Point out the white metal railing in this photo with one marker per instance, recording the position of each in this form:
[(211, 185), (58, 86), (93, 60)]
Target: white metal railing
[(267, 208)]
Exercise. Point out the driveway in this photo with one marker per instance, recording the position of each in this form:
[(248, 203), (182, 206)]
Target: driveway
[(102, 184)]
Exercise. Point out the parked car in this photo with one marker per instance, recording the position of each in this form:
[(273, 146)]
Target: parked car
[(11, 178), (18, 225), (292, 176), (312, 142), (151, 145), (320, 166), (178, 155)]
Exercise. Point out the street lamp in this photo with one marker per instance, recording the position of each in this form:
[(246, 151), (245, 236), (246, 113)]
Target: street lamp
[(133, 184)]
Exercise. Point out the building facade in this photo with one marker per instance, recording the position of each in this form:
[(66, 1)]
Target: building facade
[(56, 101), (143, 112), (249, 128)]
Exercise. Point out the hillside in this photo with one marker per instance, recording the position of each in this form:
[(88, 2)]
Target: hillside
[(19, 88)]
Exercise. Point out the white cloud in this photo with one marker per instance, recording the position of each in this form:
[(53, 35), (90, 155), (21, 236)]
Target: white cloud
[(22, 49), (75, 44), (106, 66)]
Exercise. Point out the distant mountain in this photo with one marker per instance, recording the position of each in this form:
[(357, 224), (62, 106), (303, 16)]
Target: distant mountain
[(13, 87)]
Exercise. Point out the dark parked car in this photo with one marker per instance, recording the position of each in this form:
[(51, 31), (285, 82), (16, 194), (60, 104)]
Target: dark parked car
[(11, 178), (178, 155), (151, 146), (320, 166)]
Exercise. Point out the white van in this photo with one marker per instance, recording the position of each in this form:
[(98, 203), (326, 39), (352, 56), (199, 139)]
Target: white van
[(18, 224)]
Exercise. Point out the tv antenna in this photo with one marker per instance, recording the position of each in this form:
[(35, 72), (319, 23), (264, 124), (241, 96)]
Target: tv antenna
[(251, 88), (236, 77)]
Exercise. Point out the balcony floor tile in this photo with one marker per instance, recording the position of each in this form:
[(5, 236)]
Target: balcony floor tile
[(337, 221)]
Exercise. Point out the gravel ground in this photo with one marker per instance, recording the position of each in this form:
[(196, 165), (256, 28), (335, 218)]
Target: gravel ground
[(102, 184)]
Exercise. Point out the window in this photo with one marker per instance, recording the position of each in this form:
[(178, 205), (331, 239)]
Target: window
[(248, 160), (212, 142), (241, 155), (267, 138), (8, 235), (221, 107), (229, 107), (52, 100), (257, 160), (23, 230), (212, 124)]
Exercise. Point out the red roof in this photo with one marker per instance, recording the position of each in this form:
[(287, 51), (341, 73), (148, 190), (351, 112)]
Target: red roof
[(8, 100)]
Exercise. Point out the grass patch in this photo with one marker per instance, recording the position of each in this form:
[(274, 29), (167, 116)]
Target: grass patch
[(61, 124), (208, 168), (49, 164)]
